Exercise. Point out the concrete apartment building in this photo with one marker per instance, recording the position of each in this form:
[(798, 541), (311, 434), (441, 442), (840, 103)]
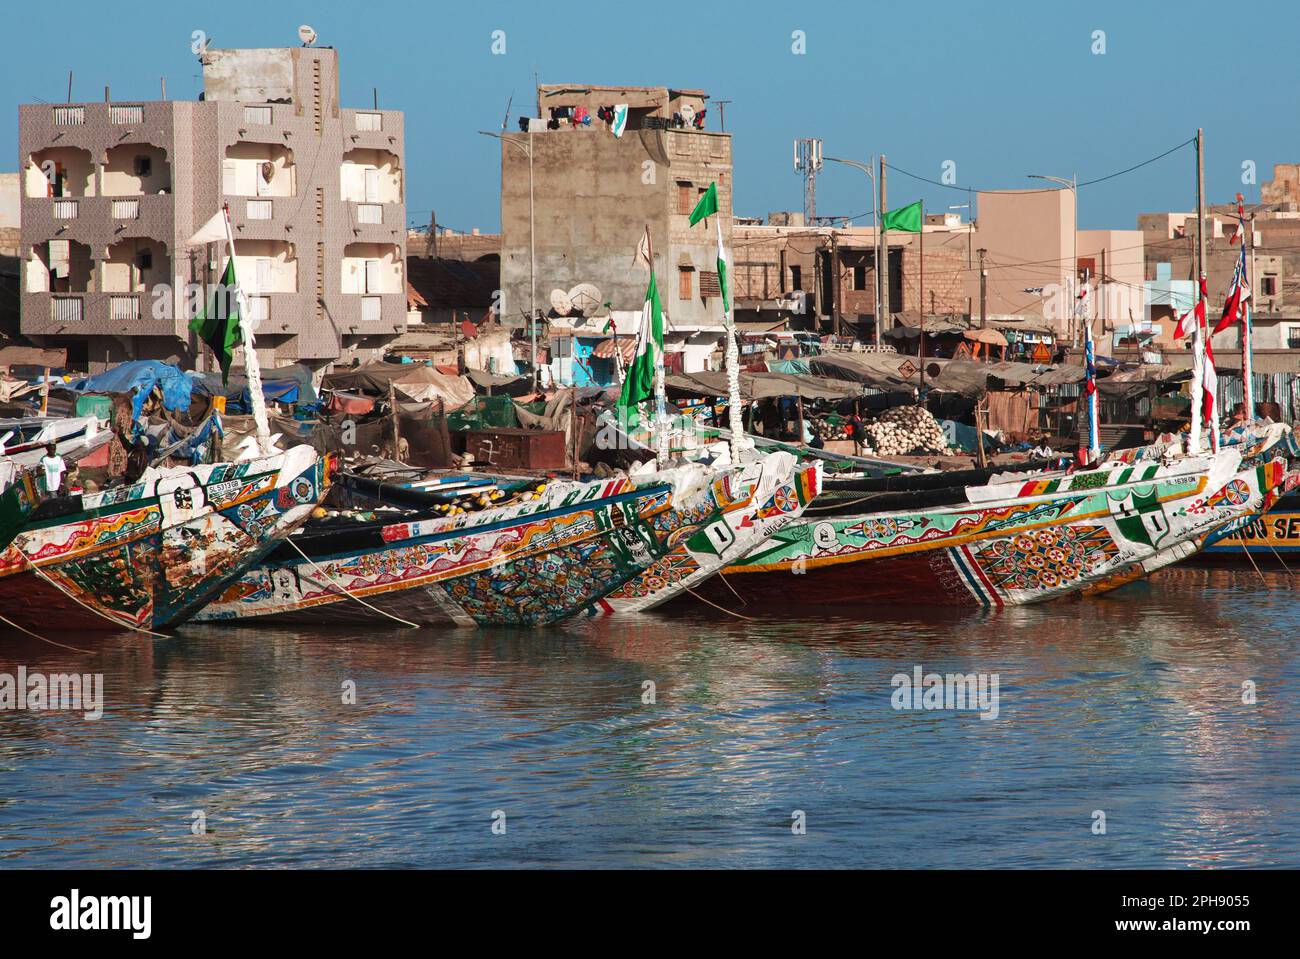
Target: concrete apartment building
[(592, 196), (112, 191)]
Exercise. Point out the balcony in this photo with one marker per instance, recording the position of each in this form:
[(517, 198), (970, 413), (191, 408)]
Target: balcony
[(126, 209), (371, 309), (370, 213), (124, 307), (65, 209), (66, 309), (126, 114), (69, 116), (258, 210)]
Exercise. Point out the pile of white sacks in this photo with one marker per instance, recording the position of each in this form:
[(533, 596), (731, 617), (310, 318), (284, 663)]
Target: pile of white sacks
[(906, 429)]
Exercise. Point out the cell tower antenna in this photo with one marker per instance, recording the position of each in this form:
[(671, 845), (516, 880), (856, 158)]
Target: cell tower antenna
[(807, 161)]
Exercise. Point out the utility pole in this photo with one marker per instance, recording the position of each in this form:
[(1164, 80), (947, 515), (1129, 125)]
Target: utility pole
[(984, 300), (882, 261)]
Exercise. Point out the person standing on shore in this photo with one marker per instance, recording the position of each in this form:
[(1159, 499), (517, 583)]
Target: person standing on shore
[(54, 468)]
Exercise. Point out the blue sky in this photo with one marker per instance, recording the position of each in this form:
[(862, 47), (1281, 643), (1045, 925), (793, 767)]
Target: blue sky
[(1000, 89)]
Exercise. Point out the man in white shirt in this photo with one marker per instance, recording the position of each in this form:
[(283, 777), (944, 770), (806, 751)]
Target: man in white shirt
[(54, 467)]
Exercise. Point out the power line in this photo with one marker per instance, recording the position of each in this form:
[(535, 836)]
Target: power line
[(1101, 179)]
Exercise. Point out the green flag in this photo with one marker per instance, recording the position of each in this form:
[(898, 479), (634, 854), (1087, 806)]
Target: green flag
[(708, 205), (639, 383), (905, 219), (218, 324)]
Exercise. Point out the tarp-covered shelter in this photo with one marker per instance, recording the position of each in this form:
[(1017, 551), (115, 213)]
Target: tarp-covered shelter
[(140, 377), (759, 386), (413, 380)]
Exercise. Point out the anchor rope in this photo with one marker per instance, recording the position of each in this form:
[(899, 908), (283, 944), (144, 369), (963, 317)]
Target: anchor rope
[(329, 582)]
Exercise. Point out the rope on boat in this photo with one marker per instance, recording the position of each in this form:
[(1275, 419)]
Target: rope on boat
[(76, 599), (1245, 549), (722, 576), (729, 612), (10, 623), (839, 504), (1279, 558), (345, 591)]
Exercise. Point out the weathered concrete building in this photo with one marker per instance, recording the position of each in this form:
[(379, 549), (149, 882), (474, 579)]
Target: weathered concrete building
[(112, 191), (576, 200), (823, 279)]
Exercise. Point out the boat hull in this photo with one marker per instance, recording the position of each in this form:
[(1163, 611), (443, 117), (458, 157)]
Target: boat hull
[(149, 556), (526, 565), (1004, 553)]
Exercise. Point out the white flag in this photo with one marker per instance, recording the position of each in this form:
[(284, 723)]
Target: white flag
[(642, 254), (214, 231), (620, 119)]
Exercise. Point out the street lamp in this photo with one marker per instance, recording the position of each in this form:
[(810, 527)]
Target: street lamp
[(875, 222), (1073, 185), (532, 244)]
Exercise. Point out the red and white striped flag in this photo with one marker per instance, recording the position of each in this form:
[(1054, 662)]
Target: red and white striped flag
[(1210, 379)]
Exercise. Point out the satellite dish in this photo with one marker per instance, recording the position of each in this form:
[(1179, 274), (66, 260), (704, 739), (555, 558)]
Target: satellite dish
[(585, 297), (561, 303), (307, 35), (688, 112)]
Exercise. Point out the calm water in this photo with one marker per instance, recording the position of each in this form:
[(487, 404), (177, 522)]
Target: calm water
[(1129, 704)]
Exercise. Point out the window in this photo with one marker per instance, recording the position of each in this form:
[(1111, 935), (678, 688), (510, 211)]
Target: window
[(1268, 285), (796, 278), (132, 114), (685, 286), (860, 276), (709, 284), (370, 121), (370, 213), (563, 347), (257, 116), (259, 209), (685, 197), (144, 259), (143, 166)]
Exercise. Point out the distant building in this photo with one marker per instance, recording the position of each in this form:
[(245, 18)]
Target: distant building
[(111, 192), (823, 279), (592, 196)]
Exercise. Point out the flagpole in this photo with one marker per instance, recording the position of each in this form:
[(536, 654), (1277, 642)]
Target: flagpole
[(1198, 340), (658, 432), (251, 367), (1247, 346), (734, 418), (1090, 361)]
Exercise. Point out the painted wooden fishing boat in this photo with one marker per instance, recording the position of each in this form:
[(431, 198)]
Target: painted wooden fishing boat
[(780, 492), (149, 555), (1003, 543), (530, 563)]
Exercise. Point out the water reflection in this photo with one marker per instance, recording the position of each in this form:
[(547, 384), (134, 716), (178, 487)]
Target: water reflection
[(1130, 704)]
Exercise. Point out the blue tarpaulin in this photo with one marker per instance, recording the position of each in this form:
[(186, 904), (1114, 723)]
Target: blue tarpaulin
[(141, 376)]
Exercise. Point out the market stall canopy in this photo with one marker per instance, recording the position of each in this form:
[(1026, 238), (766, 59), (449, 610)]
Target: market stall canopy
[(760, 386), (604, 350), (888, 372), (991, 337), (498, 385), (413, 380)]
